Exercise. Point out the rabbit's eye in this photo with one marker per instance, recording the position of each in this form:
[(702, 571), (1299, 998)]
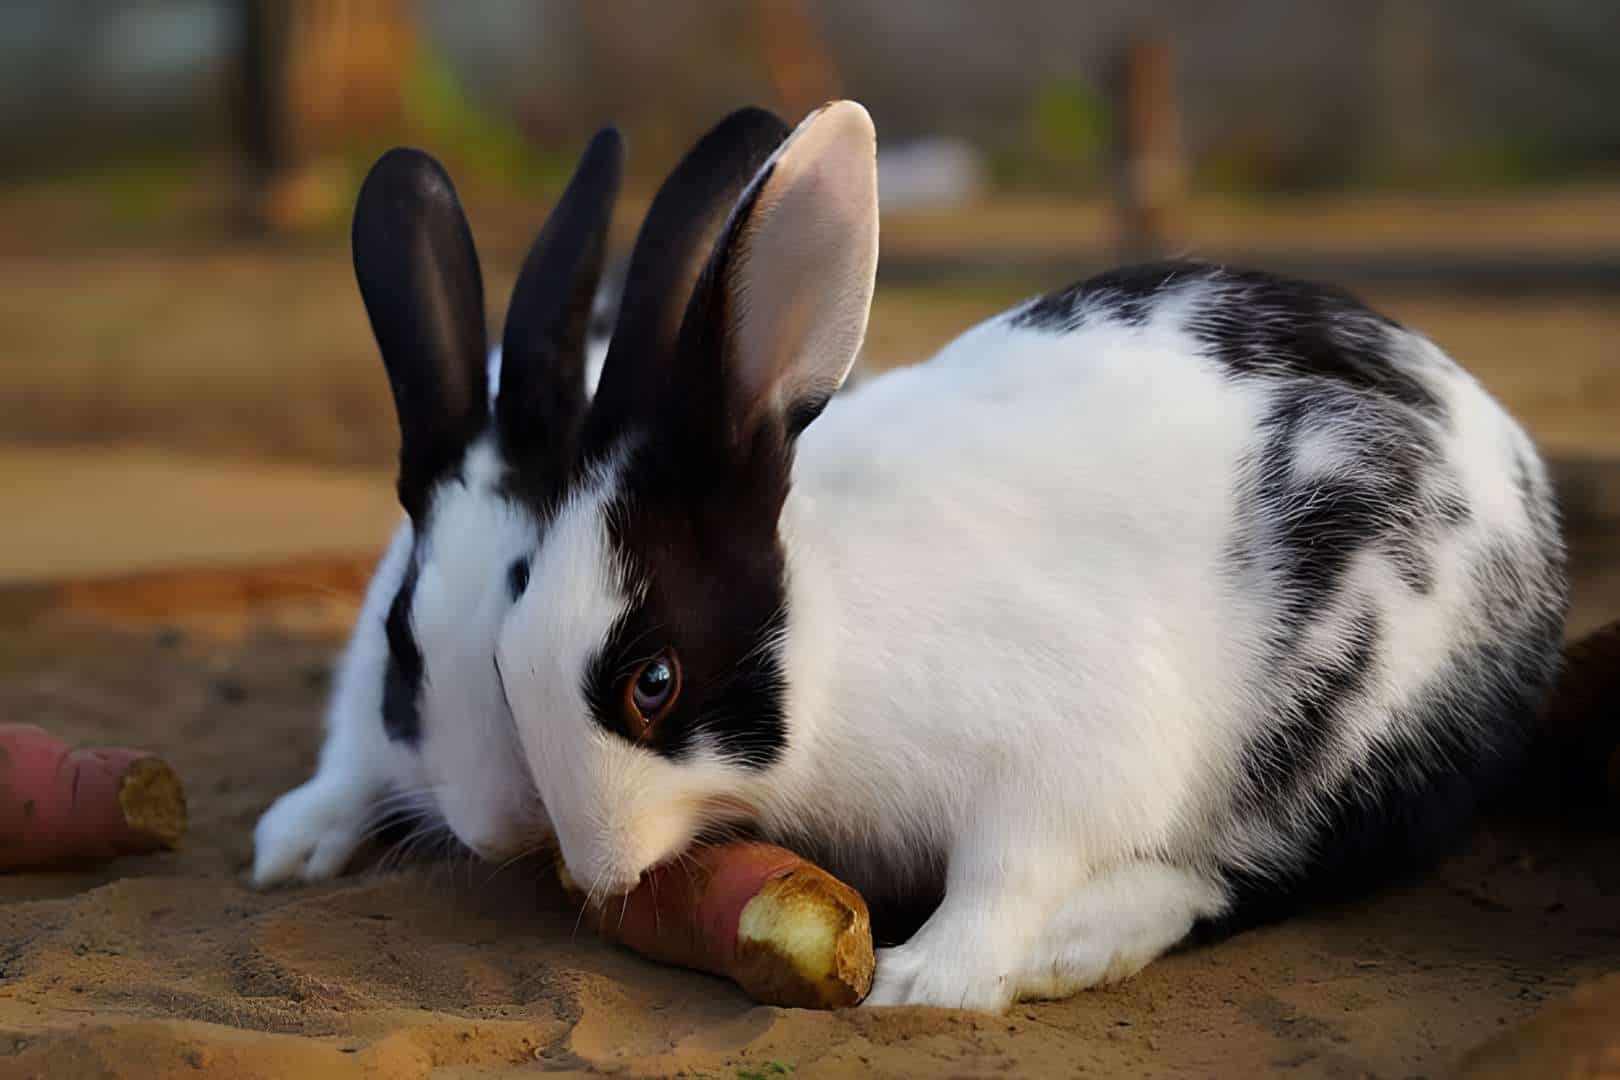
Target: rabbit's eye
[(517, 578), (651, 691)]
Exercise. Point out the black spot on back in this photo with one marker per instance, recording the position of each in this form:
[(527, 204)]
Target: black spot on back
[(1389, 493), (1328, 367), (402, 678), (1311, 724), (1455, 749), (1249, 321), (1262, 324), (1124, 295)]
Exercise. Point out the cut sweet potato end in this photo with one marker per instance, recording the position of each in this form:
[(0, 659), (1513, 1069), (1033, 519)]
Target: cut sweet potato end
[(805, 941), (153, 801)]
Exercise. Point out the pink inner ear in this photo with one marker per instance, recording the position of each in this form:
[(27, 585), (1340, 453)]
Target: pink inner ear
[(801, 287)]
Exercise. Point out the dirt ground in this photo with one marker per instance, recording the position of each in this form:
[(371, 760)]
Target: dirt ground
[(169, 965)]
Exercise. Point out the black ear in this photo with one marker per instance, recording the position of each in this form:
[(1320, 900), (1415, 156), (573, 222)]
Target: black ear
[(687, 215), (419, 278), (542, 393)]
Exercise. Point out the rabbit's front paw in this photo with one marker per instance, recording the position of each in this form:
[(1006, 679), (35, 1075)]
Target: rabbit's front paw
[(310, 833), (915, 974)]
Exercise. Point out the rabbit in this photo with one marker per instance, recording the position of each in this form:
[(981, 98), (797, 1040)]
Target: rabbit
[(1158, 606), (417, 724)]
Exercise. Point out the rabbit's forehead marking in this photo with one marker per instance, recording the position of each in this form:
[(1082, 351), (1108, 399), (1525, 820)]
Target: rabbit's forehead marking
[(698, 570)]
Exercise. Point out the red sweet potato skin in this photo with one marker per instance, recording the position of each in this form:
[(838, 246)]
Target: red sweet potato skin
[(811, 935), (685, 912), (60, 806)]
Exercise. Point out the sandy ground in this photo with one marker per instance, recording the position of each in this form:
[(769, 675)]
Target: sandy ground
[(169, 965), (94, 511)]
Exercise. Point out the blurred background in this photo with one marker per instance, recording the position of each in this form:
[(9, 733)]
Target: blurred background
[(188, 375)]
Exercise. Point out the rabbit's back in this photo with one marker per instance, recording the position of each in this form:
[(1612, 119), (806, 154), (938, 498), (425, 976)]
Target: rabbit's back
[(1278, 581)]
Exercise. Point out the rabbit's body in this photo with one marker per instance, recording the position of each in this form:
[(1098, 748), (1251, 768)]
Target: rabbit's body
[(1178, 597), (1206, 569)]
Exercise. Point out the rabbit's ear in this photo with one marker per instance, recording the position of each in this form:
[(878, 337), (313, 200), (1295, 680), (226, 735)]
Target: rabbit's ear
[(542, 386), (784, 304), (688, 213), (419, 278)]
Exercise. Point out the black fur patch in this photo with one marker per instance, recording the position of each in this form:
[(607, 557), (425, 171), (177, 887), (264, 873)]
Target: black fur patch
[(541, 400), (695, 526), (1388, 493), (1260, 324), (673, 248), (424, 293), (517, 578), (1329, 367), (1252, 322), (1414, 798), (402, 679), (1124, 295), (1310, 726), (700, 549), (694, 521)]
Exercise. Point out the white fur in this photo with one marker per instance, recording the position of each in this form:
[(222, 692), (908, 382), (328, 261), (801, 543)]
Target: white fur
[(595, 355), (1015, 648), (469, 749), (467, 773), (312, 831)]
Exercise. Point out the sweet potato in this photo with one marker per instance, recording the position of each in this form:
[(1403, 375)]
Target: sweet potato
[(785, 931), (59, 805)]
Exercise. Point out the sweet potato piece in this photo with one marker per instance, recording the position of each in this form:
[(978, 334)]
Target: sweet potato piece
[(784, 930), (59, 805)]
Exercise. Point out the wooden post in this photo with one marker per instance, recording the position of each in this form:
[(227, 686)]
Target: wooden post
[(801, 69), (259, 118), (1147, 146), (311, 74)]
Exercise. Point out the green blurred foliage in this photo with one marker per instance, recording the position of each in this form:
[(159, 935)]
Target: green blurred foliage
[(1062, 144), (480, 141)]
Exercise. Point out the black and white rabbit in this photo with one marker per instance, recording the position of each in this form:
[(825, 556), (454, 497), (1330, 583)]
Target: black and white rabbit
[(1170, 600), (417, 724)]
